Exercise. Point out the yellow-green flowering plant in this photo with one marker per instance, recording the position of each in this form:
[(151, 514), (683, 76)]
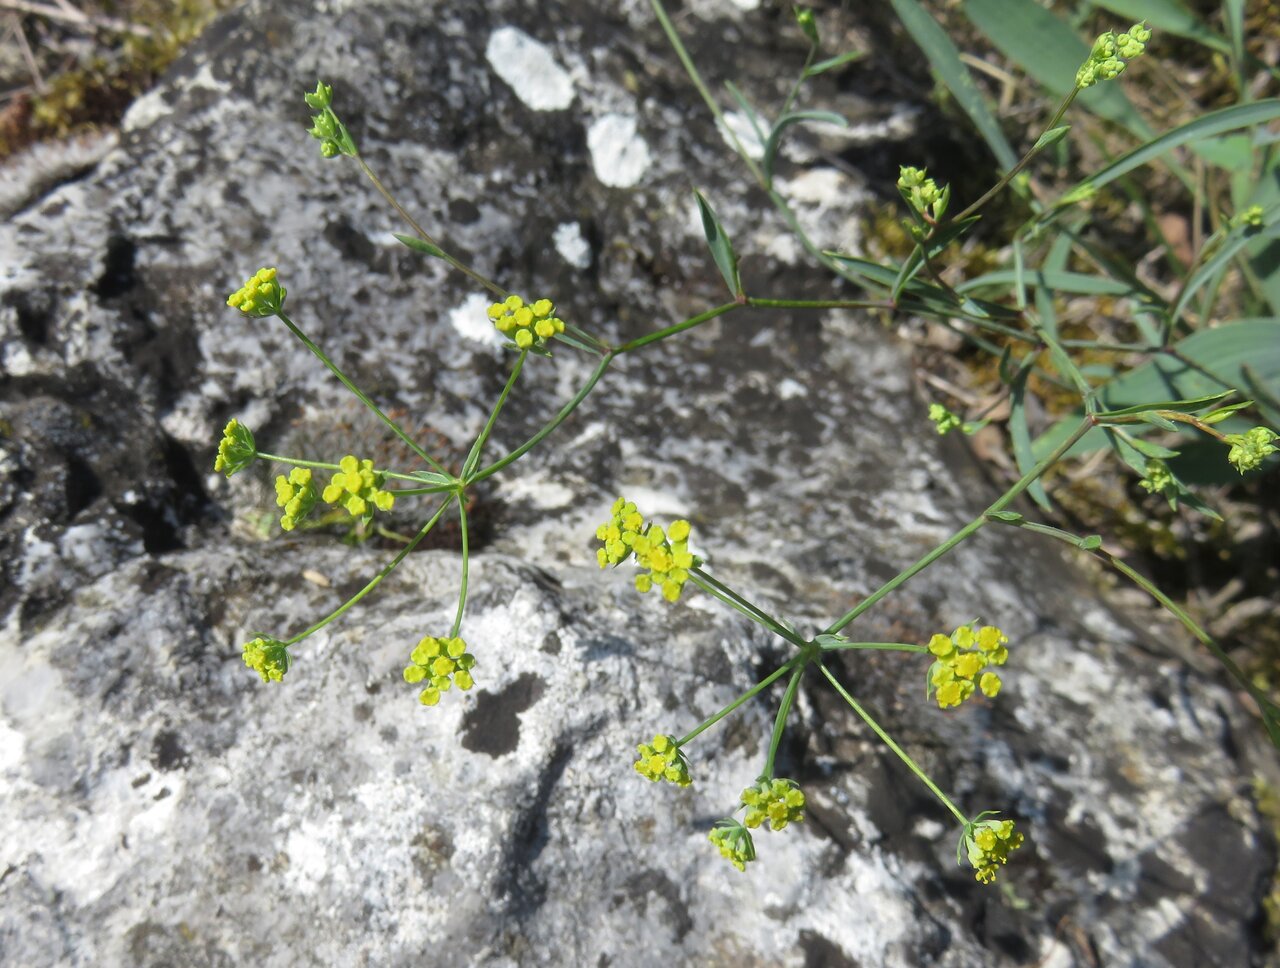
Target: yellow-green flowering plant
[(962, 670)]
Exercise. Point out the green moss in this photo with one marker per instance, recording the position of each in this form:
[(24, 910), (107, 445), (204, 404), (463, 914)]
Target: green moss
[(96, 92)]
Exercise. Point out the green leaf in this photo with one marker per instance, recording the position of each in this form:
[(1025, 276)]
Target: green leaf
[(1091, 542), (1060, 281), (576, 343), (833, 62), (1182, 406), (946, 235), (430, 477), (944, 58), (1222, 413), (1206, 362), (1205, 126), (921, 297), (1010, 517), (1121, 444), (1166, 17), (748, 110), (787, 120), (1190, 500), (1050, 50), (1020, 436), (1235, 240), (418, 245), (1050, 137), (721, 247), (1147, 449), (1164, 423)]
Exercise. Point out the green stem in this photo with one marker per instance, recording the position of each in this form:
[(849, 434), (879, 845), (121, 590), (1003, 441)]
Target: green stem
[(1022, 163), (883, 646), (724, 593), (1048, 531), (466, 561), (888, 741), (1000, 504), (780, 722), (421, 233), (693, 321), (360, 395), (818, 303), (325, 466), (674, 39), (473, 457), (550, 426), (1264, 703), (780, 203), (377, 579), (747, 696)]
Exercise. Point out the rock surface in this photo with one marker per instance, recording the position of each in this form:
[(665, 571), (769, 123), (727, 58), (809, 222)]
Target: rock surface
[(162, 807)]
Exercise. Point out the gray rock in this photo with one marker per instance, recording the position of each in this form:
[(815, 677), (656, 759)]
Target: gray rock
[(163, 807)]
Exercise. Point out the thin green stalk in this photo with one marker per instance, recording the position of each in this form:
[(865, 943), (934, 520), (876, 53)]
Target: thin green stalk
[(1000, 504), (780, 203), (466, 562), (325, 466), (731, 598), (689, 323), (804, 76), (882, 646), (1093, 344), (780, 722), (1263, 701), (747, 696), (678, 46), (473, 457), (360, 395), (818, 303), (456, 263), (1022, 163), (888, 741), (550, 426), (377, 579)]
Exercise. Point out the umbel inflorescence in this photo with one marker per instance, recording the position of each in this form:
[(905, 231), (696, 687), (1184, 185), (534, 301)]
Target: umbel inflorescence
[(962, 670)]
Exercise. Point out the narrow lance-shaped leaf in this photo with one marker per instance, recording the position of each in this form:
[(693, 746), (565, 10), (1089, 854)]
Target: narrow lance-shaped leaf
[(945, 236), (1020, 436), (721, 247), (813, 70), (1206, 126), (944, 58), (418, 245), (795, 117)]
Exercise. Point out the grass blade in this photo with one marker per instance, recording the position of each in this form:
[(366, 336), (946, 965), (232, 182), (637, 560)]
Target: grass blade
[(945, 60)]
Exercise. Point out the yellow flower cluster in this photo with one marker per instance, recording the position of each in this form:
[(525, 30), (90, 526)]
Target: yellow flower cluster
[(987, 844), (297, 495), (267, 657), (356, 487), (1104, 61), (261, 295), (526, 325), (665, 554), (442, 663), (960, 657), (734, 842), (236, 450), (663, 760), (780, 802), (1251, 448)]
